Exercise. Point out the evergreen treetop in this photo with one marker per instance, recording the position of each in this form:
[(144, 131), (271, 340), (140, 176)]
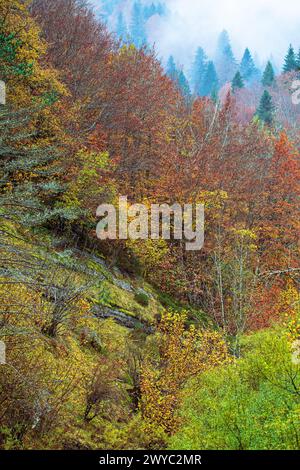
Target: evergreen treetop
[(171, 68), (210, 81), (184, 85), (198, 71), (265, 111), (121, 28), (247, 68), (225, 60), (268, 75), (237, 82), (138, 29), (290, 61)]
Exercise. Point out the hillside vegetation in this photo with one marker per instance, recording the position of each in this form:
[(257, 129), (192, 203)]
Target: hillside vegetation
[(139, 344)]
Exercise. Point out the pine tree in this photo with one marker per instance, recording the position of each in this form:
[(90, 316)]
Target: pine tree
[(269, 75), (298, 60), (290, 62), (210, 81), (248, 69), (225, 61), (172, 69), (184, 85), (265, 111), (29, 174), (121, 28), (198, 71), (138, 30), (237, 82)]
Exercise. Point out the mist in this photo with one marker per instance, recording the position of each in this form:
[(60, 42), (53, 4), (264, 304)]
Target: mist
[(267, 27)]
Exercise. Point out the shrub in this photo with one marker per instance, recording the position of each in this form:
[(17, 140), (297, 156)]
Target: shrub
[(142, 298)]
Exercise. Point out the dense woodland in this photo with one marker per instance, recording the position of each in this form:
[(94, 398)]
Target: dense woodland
[(142, 344)]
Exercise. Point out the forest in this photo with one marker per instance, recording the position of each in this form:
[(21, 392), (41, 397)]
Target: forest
[(141, 344)]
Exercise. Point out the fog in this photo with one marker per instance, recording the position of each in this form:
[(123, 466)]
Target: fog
[(267, 27)]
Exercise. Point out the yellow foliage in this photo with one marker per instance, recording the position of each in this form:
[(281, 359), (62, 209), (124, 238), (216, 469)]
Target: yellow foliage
[(182, 354)]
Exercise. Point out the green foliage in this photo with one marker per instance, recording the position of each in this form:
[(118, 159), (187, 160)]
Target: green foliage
[(251, 404), (142, 298), (266, 109), (237, 82), (9, 62), (29, 173), (210, 80), (198, 71), (290, 61), (268, 75), (248, 69)]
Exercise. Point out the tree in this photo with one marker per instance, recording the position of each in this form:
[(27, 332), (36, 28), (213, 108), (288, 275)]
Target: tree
[(225, 62), (121, 28), (265, 111), (182, 354), (172, 69), (210, 80), (21, 48), (137, 29), (268, 75), (198, 71), (290, 62), (237, 82), (247, 68), (29, 173), (298, 60), (184, 85)]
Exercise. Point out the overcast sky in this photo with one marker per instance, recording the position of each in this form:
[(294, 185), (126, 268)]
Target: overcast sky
[(267, 27)]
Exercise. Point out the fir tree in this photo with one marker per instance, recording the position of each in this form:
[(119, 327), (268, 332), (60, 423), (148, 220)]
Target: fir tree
[(265, 111), (248, 69), (184, 85), (210, 81), (121, 28), (268, 75), (138, 30), (198, 71), (290, 61), (225, 61), (298, 60), (31, 172), (172, 69), (237, 82)]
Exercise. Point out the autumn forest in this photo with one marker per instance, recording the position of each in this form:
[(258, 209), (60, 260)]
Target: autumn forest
[(141, 344)]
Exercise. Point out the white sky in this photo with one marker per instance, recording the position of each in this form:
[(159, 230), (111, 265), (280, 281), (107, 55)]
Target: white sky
[(267, 27)]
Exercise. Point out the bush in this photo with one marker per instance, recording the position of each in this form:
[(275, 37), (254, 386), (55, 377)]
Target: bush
[(142, 298), (251, 405)]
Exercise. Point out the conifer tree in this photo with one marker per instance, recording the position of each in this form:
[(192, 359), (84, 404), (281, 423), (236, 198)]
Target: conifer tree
[(198, 71), (172, 69), (30, 176), (290, 61), (121, 28), (225, 60), (138, 30), (184, 85), (298, 60), (248, 69), (265, 111), (268, 75), (237, 82), (210, 81)]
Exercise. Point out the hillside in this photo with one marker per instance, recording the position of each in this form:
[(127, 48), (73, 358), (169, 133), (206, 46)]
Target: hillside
[(128, 342)]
